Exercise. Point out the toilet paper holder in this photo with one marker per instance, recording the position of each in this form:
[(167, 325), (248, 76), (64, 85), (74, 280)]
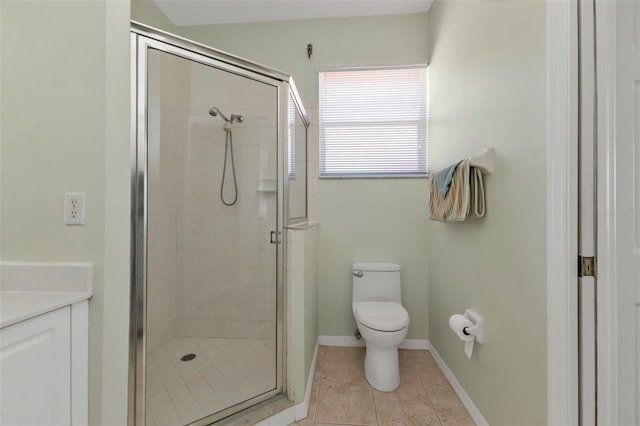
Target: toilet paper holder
[(477, 330)]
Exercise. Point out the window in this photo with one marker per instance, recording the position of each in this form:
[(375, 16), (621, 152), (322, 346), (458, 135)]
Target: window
[(373, 122)]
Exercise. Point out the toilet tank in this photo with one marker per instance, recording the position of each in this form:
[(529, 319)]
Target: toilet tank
[(376, 282)]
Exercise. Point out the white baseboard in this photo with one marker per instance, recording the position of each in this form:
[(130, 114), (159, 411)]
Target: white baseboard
[(418, 344), (351, 341), (302, 409), (340, 341), (285, 417), (475, 414)]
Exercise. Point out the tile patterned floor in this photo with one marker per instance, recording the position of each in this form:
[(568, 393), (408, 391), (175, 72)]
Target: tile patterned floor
[(224, 372), (341, 395)]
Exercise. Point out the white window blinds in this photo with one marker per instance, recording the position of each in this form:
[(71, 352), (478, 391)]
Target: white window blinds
[(291, 158), (373, 122)]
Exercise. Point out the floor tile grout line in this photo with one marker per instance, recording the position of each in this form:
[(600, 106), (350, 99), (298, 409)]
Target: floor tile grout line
[(435, 410), (215, 391), (375, 408), (315, 409), (228, 375), (195, 397), (171, 398)]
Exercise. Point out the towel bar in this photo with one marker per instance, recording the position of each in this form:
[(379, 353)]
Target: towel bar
[(484, 161)]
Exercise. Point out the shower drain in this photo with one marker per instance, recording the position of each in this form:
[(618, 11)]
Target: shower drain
[(188, 357)]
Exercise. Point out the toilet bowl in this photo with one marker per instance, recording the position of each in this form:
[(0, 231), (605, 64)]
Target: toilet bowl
[(383, 326), (381, 319)]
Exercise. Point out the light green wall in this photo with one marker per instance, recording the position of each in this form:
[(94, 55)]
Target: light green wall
[(488, 86), (361, 219), (148, 12), (375, 40), (65, 128), (371, 221), (302, 280)]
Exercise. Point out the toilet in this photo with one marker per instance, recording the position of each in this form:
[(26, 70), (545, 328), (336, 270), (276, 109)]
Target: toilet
[(382, 320)]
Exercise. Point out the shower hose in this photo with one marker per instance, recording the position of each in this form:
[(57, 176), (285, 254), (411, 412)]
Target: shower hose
[(228, 151)]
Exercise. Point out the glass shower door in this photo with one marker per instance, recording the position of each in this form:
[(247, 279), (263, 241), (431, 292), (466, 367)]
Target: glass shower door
[(211, 272)]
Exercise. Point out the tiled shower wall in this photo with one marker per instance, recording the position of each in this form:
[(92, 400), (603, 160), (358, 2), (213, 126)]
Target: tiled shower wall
[(226, 265)]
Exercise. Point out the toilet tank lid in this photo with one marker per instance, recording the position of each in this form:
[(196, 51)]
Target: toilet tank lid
[(374, 266)]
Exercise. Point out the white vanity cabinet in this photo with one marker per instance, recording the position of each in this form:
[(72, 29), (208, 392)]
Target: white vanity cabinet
[(36, 371), (43, 353)]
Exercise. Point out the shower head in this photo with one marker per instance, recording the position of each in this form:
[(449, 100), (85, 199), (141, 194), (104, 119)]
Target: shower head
[(214, 111)]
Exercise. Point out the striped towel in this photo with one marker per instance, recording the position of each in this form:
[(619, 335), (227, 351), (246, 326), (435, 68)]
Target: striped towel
[(464, 199)]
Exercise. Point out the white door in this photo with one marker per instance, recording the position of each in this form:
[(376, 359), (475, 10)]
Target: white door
[(619, 218), (627, 209)]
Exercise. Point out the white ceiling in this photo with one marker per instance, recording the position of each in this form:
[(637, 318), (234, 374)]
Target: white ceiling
[(204, 12)]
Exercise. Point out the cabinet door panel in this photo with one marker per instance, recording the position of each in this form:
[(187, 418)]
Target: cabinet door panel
[(35, 370)]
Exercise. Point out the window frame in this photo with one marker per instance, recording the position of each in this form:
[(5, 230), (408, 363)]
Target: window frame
[(423, 130)]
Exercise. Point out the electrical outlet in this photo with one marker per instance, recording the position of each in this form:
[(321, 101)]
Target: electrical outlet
[(74, 208)]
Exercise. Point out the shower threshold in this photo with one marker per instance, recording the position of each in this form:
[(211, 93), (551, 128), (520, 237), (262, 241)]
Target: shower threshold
[(257, 413)]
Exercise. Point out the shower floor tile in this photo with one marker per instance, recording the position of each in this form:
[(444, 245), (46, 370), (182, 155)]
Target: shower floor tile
[(224, 372)]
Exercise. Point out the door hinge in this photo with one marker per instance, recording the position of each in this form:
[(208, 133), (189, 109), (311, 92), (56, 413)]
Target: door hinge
[(275, 237), (586, 266)]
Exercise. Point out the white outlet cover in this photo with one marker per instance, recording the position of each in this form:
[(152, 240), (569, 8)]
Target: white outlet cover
[(74, 208)]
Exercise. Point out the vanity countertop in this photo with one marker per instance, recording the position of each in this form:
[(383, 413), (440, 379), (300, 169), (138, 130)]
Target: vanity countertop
[(16, 306), (29, 289)]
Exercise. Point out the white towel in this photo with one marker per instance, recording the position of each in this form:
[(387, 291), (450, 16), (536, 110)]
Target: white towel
[(464, 199), (477, 204)]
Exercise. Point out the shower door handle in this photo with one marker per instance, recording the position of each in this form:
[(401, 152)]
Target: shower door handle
[(274, 237)]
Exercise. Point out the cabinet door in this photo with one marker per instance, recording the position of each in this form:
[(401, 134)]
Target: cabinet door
[(35, 371)]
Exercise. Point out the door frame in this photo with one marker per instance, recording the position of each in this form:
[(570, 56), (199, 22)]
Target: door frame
[(142, 39), (562, 225), (562, 212), (606, 255)]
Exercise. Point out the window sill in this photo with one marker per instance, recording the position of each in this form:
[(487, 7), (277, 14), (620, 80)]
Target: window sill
[(375, 177), (303, 225)]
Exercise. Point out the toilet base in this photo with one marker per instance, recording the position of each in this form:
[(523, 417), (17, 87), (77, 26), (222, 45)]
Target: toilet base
[(381, 367)]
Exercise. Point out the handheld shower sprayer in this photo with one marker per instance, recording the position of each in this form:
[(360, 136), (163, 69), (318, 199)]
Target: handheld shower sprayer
[(228, 151)]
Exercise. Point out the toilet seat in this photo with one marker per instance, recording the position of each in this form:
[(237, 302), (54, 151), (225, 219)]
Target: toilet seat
[(382, 316)]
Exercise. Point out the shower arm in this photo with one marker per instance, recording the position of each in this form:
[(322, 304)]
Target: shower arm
[(215, 111)]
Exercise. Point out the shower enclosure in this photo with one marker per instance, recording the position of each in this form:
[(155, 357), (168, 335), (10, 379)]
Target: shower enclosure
[(210, 184)]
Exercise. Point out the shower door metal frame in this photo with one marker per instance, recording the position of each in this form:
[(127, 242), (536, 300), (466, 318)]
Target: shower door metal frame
[(144, 38)]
